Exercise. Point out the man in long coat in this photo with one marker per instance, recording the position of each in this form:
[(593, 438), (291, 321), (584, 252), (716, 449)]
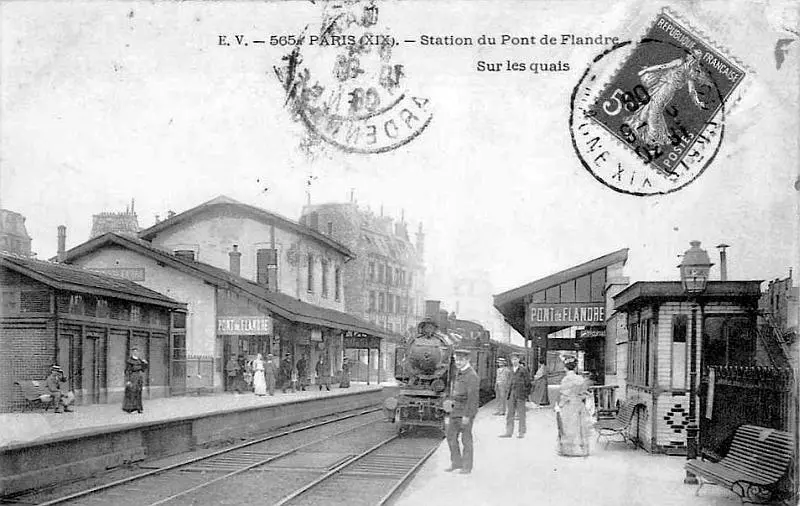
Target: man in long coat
[(286, 372), (270, 372), (465, 406), (518, 391)]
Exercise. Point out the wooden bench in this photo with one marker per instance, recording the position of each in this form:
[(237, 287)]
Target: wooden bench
[(617, 426), (756, 461), (35, 394)]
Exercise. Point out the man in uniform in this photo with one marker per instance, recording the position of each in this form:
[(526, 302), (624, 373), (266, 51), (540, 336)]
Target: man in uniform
[(501, 382), (460, 419), (518, 391)]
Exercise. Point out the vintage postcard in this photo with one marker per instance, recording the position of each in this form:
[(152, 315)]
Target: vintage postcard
[(350, 251)]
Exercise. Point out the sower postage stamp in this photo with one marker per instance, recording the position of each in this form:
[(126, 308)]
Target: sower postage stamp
[(663, 100), (343, 84)]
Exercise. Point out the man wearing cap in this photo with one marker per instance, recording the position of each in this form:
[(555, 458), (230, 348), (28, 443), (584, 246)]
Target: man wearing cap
[(502, 379), (270, 371), (518, 391), (461, 417), (54, 383)]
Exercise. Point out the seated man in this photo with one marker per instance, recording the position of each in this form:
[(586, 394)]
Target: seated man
[(56, 386)]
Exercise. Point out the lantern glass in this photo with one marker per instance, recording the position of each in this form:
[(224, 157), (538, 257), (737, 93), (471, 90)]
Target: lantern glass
[(695, 269)]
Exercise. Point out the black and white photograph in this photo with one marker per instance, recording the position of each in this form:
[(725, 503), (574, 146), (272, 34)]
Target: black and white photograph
[(399, 252)]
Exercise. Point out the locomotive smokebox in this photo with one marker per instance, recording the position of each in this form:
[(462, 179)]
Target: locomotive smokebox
[(425, 355)]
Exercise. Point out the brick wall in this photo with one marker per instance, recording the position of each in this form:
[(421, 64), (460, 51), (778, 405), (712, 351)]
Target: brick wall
[(28, 351)]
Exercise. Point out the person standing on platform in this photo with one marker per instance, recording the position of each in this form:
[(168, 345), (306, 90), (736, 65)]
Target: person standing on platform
[(345, 383), (518, 391), (501, 383), (259, 381), (270, 371), (465, 392), (539, 395), (302, 372), (572, 417), (286, 372), (233, 372), (135, 369), (56, 384), (323, 374)]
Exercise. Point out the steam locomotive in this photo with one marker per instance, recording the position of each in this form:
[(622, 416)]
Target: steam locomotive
[(425, 367)]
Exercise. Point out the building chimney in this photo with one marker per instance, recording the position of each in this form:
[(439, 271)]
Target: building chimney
[(62, 242), (420, 241), (235, 260), (723, 262)]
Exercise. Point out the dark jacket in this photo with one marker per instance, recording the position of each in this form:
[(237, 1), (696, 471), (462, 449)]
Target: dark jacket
[(465, 393), (520, 385)]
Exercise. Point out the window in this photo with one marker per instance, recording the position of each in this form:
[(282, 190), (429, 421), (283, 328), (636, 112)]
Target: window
[(388, 275), (324, 278), (381, 302), (397, 276), (330, 228), (679, 325), (380, 273), (102, 308), (372, 301), (338, 281), (641, 349), (136, 313), (267, 268), (185, 254), (313, 220), (372, 271), (389, 303), (310, 280), (728, 341), (75, 304)]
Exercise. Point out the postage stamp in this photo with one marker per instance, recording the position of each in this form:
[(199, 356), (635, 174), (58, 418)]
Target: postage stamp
[(341, 82), (648, 118)]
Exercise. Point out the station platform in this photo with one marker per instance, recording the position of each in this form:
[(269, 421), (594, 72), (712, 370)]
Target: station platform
[(40, 448), (529, 471)]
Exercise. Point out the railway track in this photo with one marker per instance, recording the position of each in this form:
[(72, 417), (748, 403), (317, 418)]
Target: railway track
[(351, 459)]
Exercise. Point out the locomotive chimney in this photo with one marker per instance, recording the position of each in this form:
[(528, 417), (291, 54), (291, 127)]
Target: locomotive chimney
[(432, 308)]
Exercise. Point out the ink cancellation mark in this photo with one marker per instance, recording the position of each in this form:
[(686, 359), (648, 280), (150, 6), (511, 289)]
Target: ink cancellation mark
[(648, 119), (354, 98)]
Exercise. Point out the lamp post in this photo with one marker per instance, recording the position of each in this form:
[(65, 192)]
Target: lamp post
[(694, 269)]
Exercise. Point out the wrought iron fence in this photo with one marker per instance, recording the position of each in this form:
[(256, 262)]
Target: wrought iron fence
[(193, 374)]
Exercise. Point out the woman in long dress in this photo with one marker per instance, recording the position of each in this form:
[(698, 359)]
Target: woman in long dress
[(345, 383), (259, 380), (135, 369), (539, 395), (572, 415)]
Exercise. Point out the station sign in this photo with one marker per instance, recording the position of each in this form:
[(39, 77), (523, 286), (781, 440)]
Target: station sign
[(244, 325), (566, 314)]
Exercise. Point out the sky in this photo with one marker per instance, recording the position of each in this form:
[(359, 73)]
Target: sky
[(107, 102)]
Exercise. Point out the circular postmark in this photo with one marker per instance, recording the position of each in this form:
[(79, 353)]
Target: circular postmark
[(647, 118), (342, 83)]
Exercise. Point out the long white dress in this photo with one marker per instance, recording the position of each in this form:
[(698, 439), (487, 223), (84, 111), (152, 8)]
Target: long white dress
[(259, 380), (573, 426)]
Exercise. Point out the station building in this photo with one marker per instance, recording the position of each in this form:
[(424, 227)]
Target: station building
[(83, 321), (254, 282)]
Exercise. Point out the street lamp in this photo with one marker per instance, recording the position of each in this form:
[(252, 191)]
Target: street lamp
[(694, 269)]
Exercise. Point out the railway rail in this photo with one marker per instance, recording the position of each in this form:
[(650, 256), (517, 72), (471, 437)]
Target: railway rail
[(352, 459)]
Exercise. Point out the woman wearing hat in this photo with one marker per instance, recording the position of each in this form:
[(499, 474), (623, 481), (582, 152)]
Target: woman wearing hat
[(259, 380), (571, 413), (135, 369)]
